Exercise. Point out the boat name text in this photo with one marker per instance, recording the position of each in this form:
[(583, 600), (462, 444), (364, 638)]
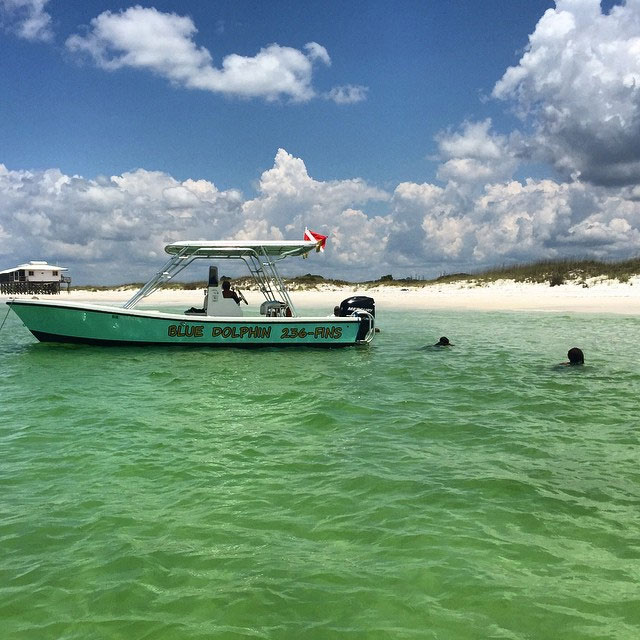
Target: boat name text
[(286, 333)]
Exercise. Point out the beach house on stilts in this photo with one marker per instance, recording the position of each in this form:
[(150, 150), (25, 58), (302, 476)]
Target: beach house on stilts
[(36, 277)]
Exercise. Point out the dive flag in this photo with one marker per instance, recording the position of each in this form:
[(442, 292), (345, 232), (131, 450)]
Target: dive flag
[(318, 238)]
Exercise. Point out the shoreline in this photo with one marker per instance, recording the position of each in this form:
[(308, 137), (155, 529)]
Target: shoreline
[(603, 296)]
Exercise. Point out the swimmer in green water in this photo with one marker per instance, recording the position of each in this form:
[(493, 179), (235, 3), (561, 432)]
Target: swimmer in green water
[(576, 357)]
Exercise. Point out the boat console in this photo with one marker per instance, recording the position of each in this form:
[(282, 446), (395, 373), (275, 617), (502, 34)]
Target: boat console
[(274, 309), (215, 304), (214, 301)]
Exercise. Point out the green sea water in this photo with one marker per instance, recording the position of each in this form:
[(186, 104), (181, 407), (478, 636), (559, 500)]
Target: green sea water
[(389, 491)]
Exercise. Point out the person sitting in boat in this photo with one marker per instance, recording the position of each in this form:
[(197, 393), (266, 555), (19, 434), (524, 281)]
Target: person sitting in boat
[(228, 292)]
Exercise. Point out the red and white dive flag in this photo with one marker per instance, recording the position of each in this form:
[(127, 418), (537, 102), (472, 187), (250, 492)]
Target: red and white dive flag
[(318, 238)]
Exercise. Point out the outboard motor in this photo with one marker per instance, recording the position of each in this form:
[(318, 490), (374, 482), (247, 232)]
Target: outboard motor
[(353, 305)]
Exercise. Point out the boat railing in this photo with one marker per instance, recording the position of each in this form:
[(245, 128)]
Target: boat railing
[(260, 266), (172, 268), (372, 326)]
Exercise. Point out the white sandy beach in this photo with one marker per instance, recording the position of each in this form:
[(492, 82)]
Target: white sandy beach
[(600, 296)]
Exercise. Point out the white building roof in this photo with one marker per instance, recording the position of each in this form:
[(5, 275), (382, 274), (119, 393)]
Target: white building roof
[(33, 265)]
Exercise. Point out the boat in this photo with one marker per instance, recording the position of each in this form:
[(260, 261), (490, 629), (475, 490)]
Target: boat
[(220, 322)]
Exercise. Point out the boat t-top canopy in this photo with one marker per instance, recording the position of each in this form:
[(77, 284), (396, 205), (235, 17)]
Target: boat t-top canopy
[(259, 256), (274, 249)]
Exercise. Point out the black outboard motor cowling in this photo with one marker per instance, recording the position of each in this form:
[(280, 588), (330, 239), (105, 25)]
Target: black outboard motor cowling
[(359, 303), (355, 303)]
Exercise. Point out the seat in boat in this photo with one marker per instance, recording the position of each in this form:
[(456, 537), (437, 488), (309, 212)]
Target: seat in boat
[(215, 303)]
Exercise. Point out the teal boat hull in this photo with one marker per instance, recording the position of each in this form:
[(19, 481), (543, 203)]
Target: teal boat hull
[(56, 321)]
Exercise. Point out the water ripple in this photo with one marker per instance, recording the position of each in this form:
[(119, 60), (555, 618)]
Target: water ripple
[(390, 492)]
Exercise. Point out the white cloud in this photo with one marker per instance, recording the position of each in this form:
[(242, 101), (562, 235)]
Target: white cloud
[(316, 51), (114, 229), (579, 82), (475, 155), (360, 241), (576, 89), (347, 94), (444, 228), (163, 43), (123, 221), (520, 222), (27, 18), (289, 199)]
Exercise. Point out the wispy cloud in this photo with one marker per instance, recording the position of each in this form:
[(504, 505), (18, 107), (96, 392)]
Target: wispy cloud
[(348, 94), (27, 19), (163, 43)]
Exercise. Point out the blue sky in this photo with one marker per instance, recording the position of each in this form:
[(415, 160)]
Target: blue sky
[(423, 137), (426, 66)]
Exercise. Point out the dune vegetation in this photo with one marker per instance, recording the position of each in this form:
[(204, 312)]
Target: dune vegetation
[(553, 272)]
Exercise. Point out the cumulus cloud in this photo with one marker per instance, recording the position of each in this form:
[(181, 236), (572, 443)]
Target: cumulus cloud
[(27, 18), (289, 199), (122, 221), (113, 229), (475, 155), (163, 43), (579, 83), (435, 227), (520, 222)]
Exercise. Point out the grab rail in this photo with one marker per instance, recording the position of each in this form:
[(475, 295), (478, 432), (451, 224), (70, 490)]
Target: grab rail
[(372, 326)]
